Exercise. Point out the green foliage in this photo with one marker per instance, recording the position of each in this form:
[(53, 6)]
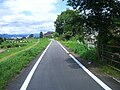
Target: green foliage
[(55, 34), (41, 34), (102, 16), (1, 40), (90, 55), (67, 35), (69, 22), (13, 65)]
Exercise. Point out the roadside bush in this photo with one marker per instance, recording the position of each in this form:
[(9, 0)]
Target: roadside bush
[(90, 55), (55, 34), (9, 46)]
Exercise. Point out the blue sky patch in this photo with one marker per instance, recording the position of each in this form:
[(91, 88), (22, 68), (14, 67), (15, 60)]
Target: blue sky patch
[(27, 12)]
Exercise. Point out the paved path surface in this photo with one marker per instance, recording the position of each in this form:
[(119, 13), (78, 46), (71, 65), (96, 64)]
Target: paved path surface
[(58, 71)]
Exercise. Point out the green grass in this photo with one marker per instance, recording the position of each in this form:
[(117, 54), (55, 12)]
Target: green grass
[(15, 43), (12, 66), (110, 71), (10, 51), (90, 55), (82, 50)]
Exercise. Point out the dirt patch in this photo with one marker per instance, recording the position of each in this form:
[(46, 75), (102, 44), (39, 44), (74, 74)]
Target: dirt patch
[(1, 50)]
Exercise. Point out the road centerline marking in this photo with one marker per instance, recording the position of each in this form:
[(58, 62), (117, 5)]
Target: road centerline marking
[(95, 78), (29, 77)]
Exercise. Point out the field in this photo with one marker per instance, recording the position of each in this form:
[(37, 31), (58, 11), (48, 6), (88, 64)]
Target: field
[(11, 48), (14, 59)]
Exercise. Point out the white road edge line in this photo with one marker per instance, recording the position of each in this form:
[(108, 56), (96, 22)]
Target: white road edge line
[(87, 71), (63, 47), (27, 80)]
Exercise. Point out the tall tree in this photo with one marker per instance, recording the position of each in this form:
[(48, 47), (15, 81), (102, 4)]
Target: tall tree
[(41, 34), (100, 16), (69, 23)]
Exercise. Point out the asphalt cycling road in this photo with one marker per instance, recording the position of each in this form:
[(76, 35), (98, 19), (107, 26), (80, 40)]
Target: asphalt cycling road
[(57, 70)]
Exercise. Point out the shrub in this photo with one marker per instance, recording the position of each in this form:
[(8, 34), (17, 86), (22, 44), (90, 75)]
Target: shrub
[(9, 46)]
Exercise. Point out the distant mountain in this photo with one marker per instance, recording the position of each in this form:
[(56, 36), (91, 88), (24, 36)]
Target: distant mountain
[(9, 36)]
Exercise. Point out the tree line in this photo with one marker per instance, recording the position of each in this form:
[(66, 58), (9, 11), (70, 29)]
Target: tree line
[(30, 36)]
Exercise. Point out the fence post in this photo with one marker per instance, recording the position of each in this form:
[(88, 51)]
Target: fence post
[(102, 52)]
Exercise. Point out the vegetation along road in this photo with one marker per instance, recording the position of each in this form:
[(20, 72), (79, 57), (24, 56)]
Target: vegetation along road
[(14, 61), (6, 57), (57, 69)]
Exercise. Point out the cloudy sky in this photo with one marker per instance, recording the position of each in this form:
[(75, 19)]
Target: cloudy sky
[(29, 16)]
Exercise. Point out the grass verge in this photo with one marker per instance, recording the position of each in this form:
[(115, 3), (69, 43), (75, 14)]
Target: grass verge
[(90, 55), (82, 50), (13, 65)]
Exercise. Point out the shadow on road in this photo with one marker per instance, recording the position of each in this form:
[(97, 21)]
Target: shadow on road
[(72, 64)]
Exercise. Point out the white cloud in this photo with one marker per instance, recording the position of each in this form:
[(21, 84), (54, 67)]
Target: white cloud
[(27, 16), (31, 5)]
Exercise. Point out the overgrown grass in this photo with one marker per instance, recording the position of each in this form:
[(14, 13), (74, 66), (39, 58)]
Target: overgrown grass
[(90, 55), (82, 50), (12, 66)]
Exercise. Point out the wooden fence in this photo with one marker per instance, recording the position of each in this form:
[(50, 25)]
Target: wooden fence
[(111, 56)]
